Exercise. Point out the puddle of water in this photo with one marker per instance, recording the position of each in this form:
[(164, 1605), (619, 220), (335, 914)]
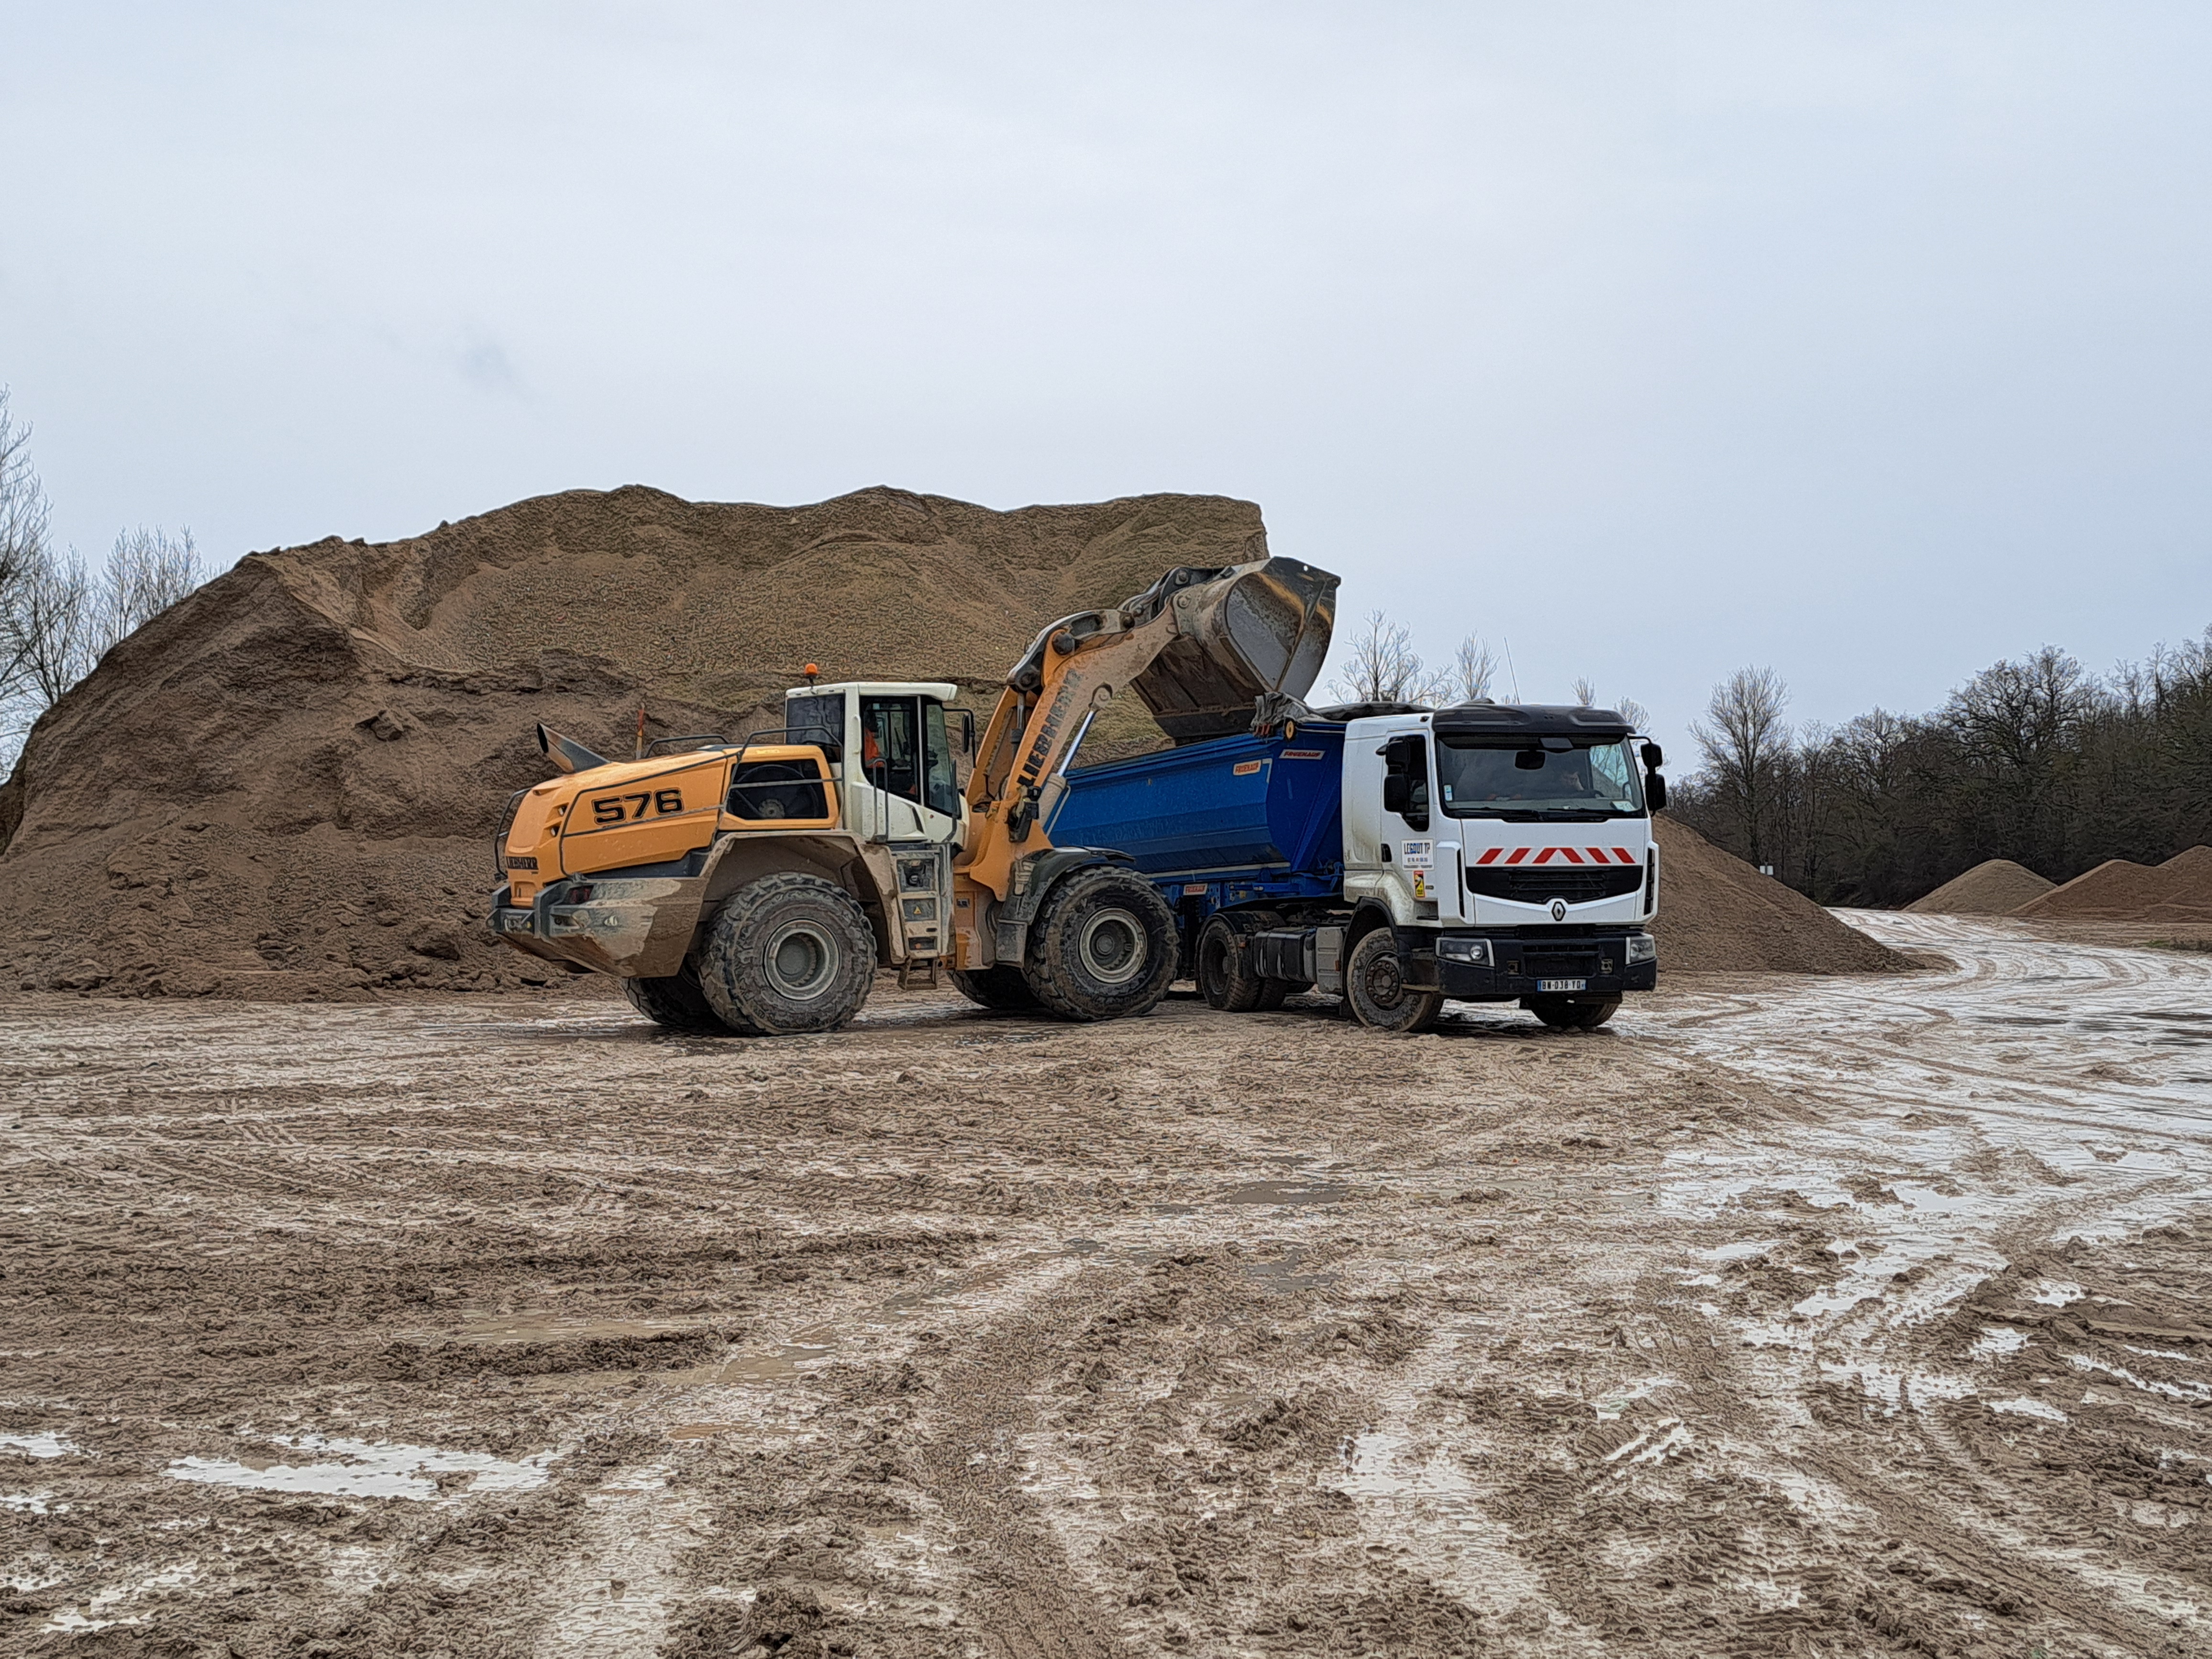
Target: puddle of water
[(2194, 1394), (1673, 1436), (365, 1468), (1996, 1339), (1287, 1193), (1372, 1469), (45, 1443), (35, 1503), (1614, 1405)]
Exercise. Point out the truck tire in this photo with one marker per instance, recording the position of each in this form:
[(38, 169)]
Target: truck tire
[(1225, 974), (1002, 989), (786, 954), (1376, 989), (676, 1002), (1571, 1014), (1103, 947)]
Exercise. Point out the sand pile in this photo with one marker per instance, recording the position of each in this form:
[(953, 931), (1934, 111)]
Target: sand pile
[(288, 785), (2179, 889), (1994, 888), (1716, 913)]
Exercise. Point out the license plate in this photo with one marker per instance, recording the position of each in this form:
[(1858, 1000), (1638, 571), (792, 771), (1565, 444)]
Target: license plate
[(1563, 985)]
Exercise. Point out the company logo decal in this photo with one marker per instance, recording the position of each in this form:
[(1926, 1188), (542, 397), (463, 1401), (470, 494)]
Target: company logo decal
[(1559, 909), (1535, 855)]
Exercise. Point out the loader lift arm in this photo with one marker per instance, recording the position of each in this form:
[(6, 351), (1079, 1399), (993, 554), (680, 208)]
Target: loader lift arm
[(1197, 647)]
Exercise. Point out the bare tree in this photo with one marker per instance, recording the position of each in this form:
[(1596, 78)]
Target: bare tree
[(1585, 693), (1383, 667), (1628, 708), (1474, 665), (147, 571), (1744, 738), (56, 620)]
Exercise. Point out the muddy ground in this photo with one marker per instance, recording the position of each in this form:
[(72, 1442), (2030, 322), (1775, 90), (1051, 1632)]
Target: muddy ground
[(1785, 1316)]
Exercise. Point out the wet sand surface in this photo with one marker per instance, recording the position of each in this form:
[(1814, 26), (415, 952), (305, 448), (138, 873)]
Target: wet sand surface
[(1832, 1316)]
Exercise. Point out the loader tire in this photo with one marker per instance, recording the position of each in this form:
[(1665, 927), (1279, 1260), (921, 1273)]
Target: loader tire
[(1571, 1014), (1375, 987), (786, 954), (1226, 978), (676, 1002), (1104, 947), (1002, 989)]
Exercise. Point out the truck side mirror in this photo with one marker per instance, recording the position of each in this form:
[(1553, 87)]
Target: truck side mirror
[(1655, 791), (967, 730), (1397, 793), (1652, 759)]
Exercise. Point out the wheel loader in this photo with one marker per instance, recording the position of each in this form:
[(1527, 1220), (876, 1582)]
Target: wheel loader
[(755, 884)]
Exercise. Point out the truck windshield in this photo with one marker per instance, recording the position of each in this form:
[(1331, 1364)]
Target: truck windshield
[(1587, 782)]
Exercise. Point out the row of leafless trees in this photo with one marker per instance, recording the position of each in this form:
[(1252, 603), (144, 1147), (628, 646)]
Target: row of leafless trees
[(2034, 760), (1381, 665), (57, 618)]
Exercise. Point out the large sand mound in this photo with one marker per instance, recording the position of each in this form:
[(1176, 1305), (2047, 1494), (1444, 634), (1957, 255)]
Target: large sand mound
[(1717, 913), (2179, 889), (1995, 888), (288, 785)]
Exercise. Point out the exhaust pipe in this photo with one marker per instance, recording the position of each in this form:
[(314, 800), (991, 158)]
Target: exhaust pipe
[(566, 752)]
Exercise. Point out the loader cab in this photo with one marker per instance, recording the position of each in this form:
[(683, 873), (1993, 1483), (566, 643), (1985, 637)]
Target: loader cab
[(891, 746)]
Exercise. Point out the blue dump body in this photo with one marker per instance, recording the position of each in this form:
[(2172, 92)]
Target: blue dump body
[(1241, 818)]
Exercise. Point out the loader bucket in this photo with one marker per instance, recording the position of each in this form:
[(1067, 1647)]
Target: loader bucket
[(1256, 629)]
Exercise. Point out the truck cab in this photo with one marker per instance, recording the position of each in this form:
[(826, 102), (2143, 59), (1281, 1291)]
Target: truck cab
[(1510, 847)]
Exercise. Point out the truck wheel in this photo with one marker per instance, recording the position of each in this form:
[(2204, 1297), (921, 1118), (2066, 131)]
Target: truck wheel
[(1374, 985), (1003, 988), (788, 953), (1571, 1014), (1226, 976), (1103, 947), (676, 1002)]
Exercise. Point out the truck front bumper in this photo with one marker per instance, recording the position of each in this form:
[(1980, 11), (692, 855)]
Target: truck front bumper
[(1518, 968)]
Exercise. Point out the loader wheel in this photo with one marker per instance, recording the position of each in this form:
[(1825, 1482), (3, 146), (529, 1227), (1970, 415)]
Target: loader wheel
[(1103, 945), (1571, 1014), (676, 1002), (1003, 988), (1375, 986), (788, 953), (1226, 976)]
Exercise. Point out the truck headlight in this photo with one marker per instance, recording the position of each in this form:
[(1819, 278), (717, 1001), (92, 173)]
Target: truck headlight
[(1465, 949), (1642, 947)]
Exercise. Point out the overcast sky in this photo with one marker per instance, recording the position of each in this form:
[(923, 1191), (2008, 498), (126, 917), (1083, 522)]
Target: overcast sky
[(1868, 341)]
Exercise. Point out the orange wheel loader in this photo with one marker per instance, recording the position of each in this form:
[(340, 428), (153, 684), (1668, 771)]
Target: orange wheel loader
[(755, 886)]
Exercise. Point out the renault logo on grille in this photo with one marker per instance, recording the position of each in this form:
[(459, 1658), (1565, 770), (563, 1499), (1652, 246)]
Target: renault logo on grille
[(1559, 909)]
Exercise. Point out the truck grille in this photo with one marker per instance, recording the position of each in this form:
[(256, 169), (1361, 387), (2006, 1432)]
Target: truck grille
[(1576, 886)]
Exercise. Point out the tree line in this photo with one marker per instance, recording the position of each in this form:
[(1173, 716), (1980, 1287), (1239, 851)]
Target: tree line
[(57, 617), (2036, 759)]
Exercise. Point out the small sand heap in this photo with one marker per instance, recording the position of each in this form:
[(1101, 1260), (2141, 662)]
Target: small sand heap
[(1718, 914), (2179, 889), (1995, 888)]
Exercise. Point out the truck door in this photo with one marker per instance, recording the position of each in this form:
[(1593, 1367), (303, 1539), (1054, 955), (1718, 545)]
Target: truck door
[(1408, 845)]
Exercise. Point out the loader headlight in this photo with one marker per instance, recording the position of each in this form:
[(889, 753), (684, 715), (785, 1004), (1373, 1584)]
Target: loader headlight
[(1465, 949), (1642, 947)]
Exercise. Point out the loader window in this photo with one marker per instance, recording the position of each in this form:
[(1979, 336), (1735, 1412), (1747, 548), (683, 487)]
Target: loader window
[(819, 718), (890, 746), (941, 778)]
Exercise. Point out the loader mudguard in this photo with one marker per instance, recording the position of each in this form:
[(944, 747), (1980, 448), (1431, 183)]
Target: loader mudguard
[(1029, 879)]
